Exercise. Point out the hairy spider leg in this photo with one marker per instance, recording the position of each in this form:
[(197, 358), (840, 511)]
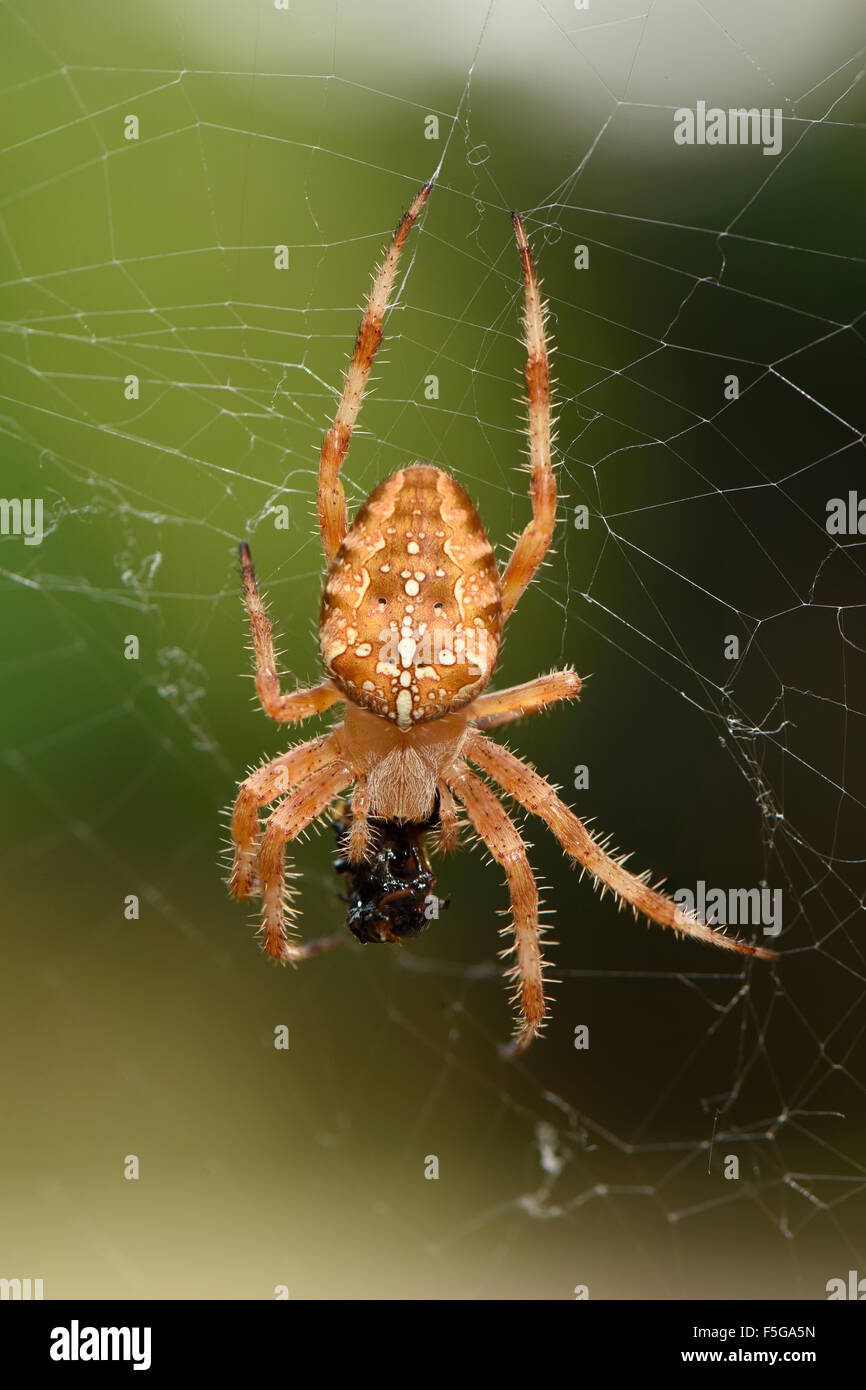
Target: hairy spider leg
[(533, 543), (537, 795), (331, 497), (502, 838), (518, 701), (301, 807), (262, 787), (300, 704)]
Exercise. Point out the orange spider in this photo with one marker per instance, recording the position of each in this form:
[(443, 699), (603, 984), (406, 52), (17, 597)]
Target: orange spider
[(410, 631)]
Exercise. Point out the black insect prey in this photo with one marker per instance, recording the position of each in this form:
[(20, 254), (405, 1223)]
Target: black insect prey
[(390, 896)]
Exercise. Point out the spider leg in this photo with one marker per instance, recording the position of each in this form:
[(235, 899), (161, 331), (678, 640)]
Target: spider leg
[(332, 499), (532, 544), (300, 704), (500, 835), (359, 834), (266, 784), (532, 791), (448, 827), (302, 806), (502, 706)]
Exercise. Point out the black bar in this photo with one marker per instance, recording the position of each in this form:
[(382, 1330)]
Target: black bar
[(247, 1337)]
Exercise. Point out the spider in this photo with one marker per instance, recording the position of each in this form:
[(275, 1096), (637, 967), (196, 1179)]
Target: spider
[(411, 624)]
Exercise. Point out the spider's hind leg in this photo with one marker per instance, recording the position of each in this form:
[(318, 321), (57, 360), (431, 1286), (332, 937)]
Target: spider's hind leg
[(331, 497), (533, 542)]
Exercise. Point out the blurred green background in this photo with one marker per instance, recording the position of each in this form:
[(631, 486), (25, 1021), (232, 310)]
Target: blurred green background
[(307, 127)]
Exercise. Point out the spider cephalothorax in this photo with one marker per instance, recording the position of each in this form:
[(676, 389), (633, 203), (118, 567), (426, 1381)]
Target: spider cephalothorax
[(410, 628)]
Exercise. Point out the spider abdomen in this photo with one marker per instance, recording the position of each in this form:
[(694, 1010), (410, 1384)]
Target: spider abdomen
[(411, 617)]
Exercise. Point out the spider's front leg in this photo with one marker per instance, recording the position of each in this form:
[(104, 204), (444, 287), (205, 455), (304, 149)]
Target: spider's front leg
[(497, 831), (262, 787), (301, 807), (285, 709), (536, 794)]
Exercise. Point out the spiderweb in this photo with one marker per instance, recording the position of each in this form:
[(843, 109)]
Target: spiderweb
[(180, 291)]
